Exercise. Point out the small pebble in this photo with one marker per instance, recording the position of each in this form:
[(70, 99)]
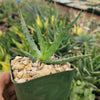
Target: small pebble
[(21, 80), (35, 64)]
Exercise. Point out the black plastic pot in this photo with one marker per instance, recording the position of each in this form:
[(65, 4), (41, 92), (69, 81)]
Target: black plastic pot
[(50, 87)]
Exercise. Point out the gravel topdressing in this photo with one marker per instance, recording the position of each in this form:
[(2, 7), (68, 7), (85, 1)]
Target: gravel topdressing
[(24, 69)]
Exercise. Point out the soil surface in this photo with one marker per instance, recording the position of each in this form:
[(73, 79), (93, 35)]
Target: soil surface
[(24, 69)]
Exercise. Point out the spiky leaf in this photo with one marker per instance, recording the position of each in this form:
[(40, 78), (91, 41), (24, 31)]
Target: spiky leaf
[(33, 47), (53, 47), (63, 60), (40, 39), (23, 53), (73, 22)]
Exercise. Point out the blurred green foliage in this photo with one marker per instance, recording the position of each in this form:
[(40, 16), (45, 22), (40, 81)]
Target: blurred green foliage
[(81, 91)]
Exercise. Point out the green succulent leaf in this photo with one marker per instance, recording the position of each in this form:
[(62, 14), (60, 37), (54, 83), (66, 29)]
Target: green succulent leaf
[(40, 39), (33, 47), (97, 73), (53, 47), (23, 53), (63, 60), (72, 23), (47, 43)]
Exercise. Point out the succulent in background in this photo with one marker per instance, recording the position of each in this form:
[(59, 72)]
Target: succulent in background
[(88, 68), (0, 33), (85, 39), (82, 91), (5, 63), (17, 38), (2, 53), (8, 14), (77, 29), (4, 56)]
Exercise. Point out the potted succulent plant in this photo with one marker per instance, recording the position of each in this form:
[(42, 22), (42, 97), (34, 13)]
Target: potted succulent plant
[(50, 87)]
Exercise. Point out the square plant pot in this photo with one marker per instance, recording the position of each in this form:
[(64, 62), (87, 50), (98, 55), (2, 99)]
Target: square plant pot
[(51, 87)]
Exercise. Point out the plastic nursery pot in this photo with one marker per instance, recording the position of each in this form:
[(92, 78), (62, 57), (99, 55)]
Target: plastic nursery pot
[(51, 87)]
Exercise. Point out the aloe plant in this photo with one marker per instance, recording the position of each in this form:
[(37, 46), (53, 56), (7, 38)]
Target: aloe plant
[(50, 22), (44, 50)]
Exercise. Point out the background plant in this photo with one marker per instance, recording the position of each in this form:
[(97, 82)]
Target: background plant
[(81, 90), (88, 68)]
